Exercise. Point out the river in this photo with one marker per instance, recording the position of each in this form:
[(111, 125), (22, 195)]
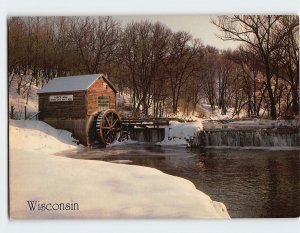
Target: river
[(251, 183)]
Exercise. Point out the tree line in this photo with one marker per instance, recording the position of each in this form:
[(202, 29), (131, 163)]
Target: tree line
[(166, 71)]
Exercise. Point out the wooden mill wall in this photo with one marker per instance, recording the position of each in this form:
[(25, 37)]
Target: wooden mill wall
[(62, 109), (76, 116), (99, 88)]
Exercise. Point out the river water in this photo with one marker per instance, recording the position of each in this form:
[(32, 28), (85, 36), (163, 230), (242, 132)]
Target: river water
[(251, 183)]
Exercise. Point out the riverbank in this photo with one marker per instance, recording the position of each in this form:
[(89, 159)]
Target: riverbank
[(43, 185)]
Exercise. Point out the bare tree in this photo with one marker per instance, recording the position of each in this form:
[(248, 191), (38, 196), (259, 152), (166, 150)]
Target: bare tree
[(209, 74), (288, 57), (144, 48), (260, 33), (95, 42), (180, 65), (251, 77)]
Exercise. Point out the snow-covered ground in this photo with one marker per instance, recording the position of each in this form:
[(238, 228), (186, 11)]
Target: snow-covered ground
[(179, 134), (265, 123), (20, 101), (253, 124), (101, 189), (216, 114), (37, 135)]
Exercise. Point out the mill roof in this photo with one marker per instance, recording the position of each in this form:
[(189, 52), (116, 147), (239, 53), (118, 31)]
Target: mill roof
[(73, 83)]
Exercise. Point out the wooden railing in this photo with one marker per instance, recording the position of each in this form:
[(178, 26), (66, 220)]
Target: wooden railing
[(34, 116)]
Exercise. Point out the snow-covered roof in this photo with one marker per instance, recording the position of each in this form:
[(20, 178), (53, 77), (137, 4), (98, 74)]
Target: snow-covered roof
[(72, 83)]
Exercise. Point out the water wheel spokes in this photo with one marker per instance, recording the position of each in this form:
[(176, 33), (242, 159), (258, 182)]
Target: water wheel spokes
[(108, 126)]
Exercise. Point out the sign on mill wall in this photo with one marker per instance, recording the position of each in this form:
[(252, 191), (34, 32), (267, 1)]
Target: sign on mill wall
[(60, 98)]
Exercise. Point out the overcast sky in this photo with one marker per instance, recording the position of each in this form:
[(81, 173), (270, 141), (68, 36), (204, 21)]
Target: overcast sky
[(199, 26)]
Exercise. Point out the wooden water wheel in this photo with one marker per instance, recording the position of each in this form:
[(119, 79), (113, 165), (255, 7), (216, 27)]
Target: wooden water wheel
[(108, 126)]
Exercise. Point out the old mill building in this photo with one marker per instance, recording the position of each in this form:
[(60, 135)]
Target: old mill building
[(74, 103)]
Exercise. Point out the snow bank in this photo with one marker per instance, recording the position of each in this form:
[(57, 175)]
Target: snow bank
[(101, 189), (179, 134), (37, 136)]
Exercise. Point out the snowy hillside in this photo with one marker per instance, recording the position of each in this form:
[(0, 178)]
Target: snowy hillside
[(18, 102), (216, 114)]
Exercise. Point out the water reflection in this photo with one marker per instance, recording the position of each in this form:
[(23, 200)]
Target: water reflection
[(251, 183)]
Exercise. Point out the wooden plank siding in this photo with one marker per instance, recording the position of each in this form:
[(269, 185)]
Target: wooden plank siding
[(99, 88), (65, 109), (78, 127)]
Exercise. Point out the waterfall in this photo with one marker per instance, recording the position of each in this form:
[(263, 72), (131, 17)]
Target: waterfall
[(247, 137)]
